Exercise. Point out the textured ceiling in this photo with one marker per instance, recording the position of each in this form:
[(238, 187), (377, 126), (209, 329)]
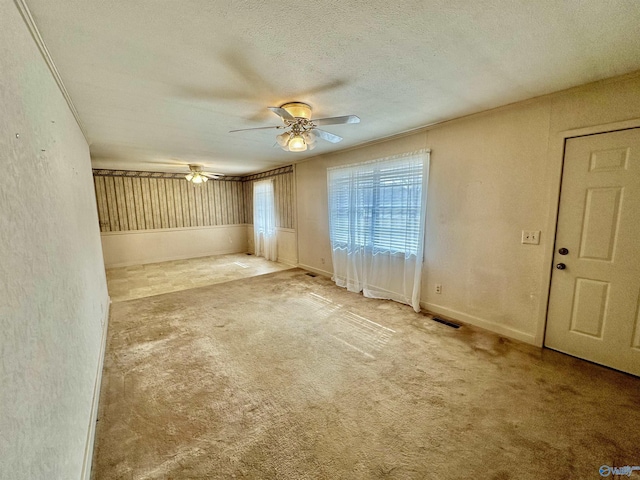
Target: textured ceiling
[(159, 83)]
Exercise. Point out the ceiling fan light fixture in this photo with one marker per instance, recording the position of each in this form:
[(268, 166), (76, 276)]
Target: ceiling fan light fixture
[(283, 139), (301, 131), (297, 144), (197, 176), (309, 137)]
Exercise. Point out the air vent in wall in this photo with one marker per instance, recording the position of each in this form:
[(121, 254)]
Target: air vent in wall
[(446, 322)]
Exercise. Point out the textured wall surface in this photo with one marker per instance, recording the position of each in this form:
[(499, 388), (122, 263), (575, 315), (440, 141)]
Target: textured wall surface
[(53, 294)]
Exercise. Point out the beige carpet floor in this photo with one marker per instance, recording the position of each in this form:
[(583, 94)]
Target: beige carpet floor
[(139, 281), (285, 376)]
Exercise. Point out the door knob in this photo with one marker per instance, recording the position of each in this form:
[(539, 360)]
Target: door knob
[(561, 266), (563, 251)]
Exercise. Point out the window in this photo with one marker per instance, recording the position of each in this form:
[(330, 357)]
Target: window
[(377, 205), (376, 226), (264, 220)]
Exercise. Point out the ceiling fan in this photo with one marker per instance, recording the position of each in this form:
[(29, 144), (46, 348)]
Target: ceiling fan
[(301, 130), (197, 176)]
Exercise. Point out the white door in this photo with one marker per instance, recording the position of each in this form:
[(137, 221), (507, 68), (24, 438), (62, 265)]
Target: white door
[(594, 304)]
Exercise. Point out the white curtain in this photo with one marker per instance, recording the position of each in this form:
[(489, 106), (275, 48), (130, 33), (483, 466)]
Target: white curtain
[(264, 220), (377, 223)]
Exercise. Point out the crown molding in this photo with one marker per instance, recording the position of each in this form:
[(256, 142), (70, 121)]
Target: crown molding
[(35, 34), (268, 173), (104, 172)]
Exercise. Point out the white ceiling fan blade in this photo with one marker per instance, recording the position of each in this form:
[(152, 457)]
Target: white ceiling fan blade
[(255, 128), (282, 113), (214, 176), (337, 120), (329, 137)]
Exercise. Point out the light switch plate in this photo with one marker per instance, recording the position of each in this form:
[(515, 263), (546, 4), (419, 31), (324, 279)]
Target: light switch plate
[(531, 237)]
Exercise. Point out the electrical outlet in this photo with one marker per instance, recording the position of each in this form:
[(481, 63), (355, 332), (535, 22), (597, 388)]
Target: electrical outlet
[(438, 288), (531, 237)]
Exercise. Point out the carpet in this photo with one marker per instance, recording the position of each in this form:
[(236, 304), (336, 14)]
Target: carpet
[(286, 376)]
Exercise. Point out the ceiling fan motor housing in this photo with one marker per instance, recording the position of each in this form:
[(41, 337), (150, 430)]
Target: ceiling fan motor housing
[(298, 109)]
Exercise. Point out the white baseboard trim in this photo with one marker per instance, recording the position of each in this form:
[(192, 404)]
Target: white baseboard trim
[(324, 273), (480, 322), (91, 430), (288, 261), (170, 258)]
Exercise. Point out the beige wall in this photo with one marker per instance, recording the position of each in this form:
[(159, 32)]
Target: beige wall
[(150, 246), (53, 296), (492, 175)]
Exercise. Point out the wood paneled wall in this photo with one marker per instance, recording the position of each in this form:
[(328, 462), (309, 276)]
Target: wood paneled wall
[(128, 201)]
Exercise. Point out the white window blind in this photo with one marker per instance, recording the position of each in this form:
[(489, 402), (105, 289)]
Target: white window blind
[(377, 205)]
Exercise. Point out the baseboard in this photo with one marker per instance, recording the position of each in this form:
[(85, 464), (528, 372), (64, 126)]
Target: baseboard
[(324, 273), (91, 430), (288, 261), (480, 322)]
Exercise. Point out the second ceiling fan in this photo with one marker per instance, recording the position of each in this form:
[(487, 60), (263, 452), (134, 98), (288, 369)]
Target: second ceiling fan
[(301, 130)]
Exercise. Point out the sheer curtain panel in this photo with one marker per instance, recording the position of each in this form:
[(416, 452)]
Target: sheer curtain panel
[(377, 223), (264, 220)]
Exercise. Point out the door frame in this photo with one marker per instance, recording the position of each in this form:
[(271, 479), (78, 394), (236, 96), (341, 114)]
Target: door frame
[(556, 152)]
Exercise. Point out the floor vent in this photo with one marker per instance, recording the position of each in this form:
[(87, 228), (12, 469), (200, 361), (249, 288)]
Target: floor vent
[(311, 274), (446, 322)]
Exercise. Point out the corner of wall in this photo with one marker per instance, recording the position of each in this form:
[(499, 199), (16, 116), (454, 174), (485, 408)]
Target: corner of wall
[(324, 273), (91, 429)]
